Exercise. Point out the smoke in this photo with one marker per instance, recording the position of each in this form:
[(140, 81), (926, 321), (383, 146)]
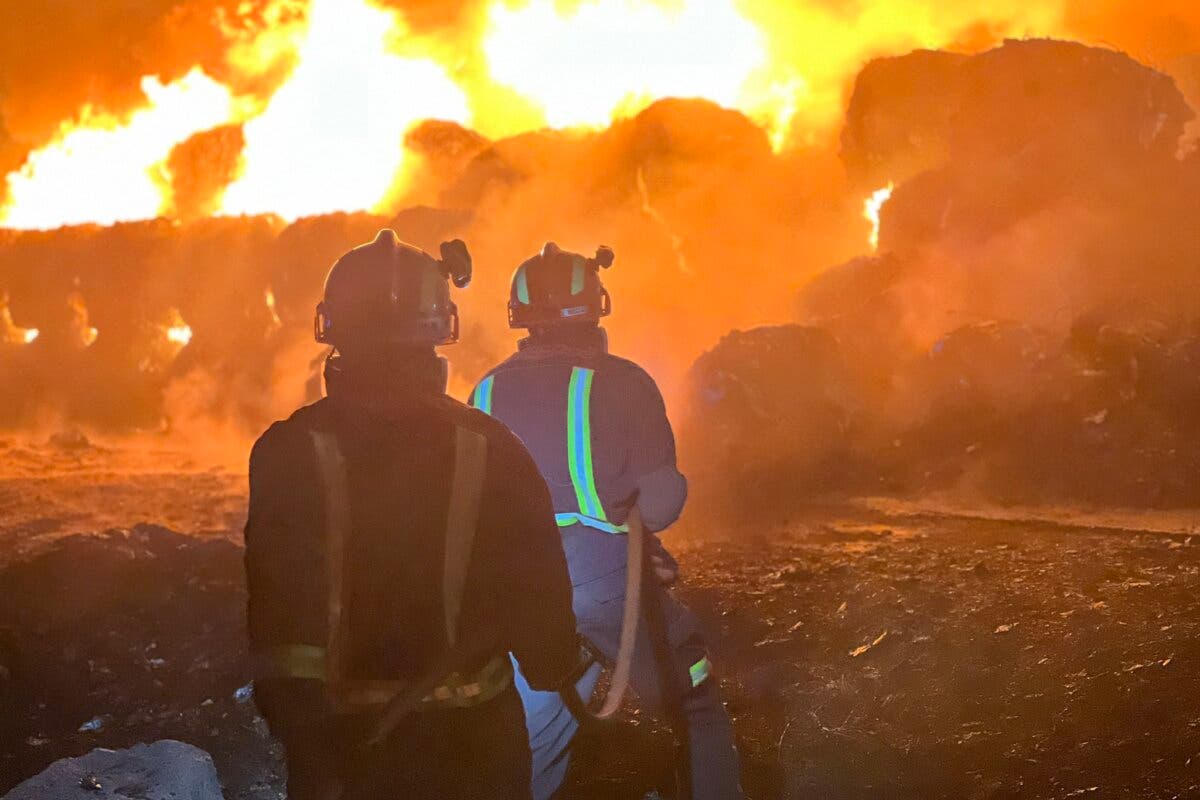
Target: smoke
[(1029, 328), (1038, 186)]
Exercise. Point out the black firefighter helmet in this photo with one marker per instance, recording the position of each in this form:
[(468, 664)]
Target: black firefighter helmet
[(388, 293), (557, 287)]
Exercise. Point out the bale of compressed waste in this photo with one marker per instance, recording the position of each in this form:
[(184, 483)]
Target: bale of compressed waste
[(769, 417)]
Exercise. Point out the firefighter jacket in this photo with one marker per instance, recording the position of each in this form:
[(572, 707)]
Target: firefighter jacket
[(348, 550), (598, 430)]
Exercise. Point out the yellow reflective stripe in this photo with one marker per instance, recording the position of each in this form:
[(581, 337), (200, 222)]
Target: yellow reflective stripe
[(579, 443), (291, 661), (457, 692), (488, 682), (569, 519), (700, 671)]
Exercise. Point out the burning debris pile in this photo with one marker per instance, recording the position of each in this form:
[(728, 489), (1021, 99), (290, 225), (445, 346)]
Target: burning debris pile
[(1029, 326), (139, 322), (1026, 326)]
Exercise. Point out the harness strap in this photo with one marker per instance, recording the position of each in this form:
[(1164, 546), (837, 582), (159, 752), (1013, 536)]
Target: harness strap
[(462, 518), (331, 463), (326, 664)]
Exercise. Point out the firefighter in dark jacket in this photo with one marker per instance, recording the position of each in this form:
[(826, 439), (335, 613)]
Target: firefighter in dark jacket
[(400, 545), (597, 427)]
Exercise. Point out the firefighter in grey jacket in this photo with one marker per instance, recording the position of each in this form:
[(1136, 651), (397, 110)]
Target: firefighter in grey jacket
[(597, 428)]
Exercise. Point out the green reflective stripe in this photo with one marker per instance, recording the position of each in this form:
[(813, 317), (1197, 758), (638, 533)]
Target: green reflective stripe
[(567, 520), (700, 671), (291, 661), (522, 286), (482, 399), (574, 434), (579, 443), (577, 276)]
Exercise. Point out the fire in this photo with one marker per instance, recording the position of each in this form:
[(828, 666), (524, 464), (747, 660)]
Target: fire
[(330, 138), (177, 330), (104, 169), (631, 53), (325, 90), (79, 320), (871, 208), (269, 299), (179, 334), (30, 335)]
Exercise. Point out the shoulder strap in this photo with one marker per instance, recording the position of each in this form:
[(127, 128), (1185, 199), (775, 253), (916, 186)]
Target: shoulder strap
[(462, 517), (331, 464)]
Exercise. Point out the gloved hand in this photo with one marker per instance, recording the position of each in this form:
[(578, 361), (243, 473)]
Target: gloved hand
[(666, 568)]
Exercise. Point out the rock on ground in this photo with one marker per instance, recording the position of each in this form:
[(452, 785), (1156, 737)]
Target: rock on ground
[(164, 770)]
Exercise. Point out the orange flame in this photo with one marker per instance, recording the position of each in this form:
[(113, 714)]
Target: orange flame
[(103, 169), (329, 139), (871, 208), (329, 136), (177, 330), (631, 53)]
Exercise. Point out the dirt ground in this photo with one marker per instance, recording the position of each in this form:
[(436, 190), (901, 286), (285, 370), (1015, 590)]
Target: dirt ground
[(867, 650)]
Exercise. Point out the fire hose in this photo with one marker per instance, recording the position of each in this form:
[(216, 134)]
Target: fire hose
[(634, 563), (637, 580)]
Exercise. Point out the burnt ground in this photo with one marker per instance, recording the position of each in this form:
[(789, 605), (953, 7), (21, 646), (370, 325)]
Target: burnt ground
[(863, 653)]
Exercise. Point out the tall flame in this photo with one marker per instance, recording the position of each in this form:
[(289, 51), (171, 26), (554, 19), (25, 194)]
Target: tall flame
[(608, 57), (872, 206), (104, 169), (330, 138), (325, 90)]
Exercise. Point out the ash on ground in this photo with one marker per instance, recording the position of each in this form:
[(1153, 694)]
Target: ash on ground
[(863, 654)]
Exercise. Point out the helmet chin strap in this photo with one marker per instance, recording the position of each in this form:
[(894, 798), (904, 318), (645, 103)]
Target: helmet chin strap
[(444, 365)]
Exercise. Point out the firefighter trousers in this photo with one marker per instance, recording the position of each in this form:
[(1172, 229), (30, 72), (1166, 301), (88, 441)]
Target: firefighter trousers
[(711, 758)]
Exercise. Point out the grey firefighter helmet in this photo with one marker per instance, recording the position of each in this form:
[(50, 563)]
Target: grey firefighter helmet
[(388, 293), (558, 287)]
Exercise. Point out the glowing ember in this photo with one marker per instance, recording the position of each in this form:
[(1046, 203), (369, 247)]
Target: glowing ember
[(79, 320), (330, 138), (631, 52), (871, 208), (30, 334), (178, 331), (103, 169), (179, 334), (269, 298)]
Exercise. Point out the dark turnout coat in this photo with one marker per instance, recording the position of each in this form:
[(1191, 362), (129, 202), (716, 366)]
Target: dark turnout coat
[(398, 457)]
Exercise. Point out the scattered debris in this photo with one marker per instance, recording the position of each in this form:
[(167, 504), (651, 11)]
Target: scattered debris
[(92, 725), (858, 651)]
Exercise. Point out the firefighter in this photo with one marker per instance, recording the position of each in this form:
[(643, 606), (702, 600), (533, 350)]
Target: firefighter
[(597, 428), (399, 545)]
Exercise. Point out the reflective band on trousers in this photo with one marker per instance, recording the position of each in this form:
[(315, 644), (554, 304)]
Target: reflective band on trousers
[(482, 399), (700, 671)]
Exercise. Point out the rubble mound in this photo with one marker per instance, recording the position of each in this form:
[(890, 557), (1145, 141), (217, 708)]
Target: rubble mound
[(770, 416), (128, 636), (164, 770), (1028, 328)]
